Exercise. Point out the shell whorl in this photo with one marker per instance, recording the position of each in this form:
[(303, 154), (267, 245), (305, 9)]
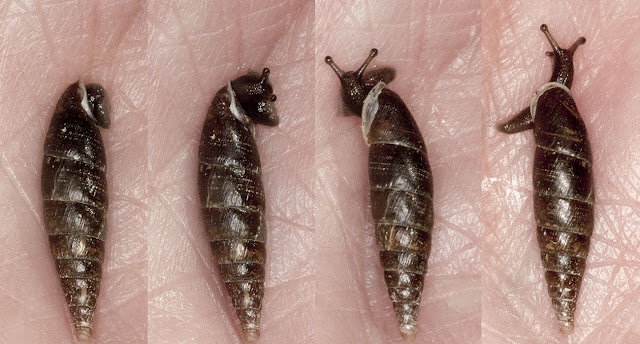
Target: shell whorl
[(233, 205), (541, 91), (401, 201), (74, 192), (563, 198)]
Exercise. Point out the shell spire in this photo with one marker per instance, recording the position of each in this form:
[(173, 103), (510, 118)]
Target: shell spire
[(74, 193), (232, 193), (563, 182), (401, 190)]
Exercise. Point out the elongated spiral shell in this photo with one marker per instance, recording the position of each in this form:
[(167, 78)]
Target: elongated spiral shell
[(564, 197), (401, 200), (562, 181), (233, 205), (74, 192)]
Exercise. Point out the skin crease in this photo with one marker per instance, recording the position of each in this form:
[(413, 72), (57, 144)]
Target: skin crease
[(46, 47), (440, 86), (193, 56), (605, 89)]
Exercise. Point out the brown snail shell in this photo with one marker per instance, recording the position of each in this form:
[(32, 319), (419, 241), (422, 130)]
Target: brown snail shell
[(401, 185), (231, 191), (74, 192), (562, 181)]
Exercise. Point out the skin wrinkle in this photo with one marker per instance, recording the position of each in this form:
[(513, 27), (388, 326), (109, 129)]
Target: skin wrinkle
[(47, 33), (183, 37), (119, 37), (92, 30), (20, 188)]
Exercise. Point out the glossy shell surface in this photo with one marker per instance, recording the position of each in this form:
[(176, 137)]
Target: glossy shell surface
[(401, 186), (562, 181), (231, 192), (401, 203), (74, 192), (563, 197)]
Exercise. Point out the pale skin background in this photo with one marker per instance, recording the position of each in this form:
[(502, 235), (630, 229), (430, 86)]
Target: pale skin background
[(162, 62), (437, 58), (515, 304), (44, 47)]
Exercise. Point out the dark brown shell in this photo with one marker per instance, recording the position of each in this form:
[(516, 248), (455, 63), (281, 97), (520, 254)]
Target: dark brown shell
[(401, 205), (563, 198), (233, 204), (74, 192), (401, 186), (562, 182)]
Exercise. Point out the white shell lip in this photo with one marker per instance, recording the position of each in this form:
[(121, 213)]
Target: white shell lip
[(540, 91), (238, 112), (370, 109), (85, 102)]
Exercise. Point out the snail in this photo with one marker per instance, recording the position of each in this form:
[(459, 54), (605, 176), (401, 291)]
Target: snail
[(562, 181), (400, 184), (74, 193), (231, 191)]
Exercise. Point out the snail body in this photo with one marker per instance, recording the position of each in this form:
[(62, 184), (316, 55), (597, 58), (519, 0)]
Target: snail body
[(562, 182), (231, 191), (74, 193), (401, 189)]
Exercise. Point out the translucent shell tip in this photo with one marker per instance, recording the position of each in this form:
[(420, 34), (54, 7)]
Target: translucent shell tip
[(408, 332), (566, 327), (251, 335), (83, 334)]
